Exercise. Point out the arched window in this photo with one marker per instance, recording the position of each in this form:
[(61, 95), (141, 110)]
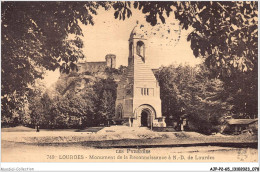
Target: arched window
[(140, 49)]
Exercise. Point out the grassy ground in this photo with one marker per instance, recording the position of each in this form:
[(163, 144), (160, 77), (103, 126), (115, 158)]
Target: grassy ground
[(27, 129), (21, 144), (18, 129), (118, 136)]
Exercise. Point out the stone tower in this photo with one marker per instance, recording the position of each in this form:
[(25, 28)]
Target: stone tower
[(138, 92), (111, 60)]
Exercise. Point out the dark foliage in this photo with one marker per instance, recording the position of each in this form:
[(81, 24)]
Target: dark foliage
[(34, 38), (189, 91)]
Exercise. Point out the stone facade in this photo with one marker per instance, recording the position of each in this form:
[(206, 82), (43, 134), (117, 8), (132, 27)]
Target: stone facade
[(98, 66), (138, 92), (111, 61)]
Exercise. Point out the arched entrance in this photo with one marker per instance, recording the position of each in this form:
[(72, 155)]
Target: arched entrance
[(144, 119), (145, 114)]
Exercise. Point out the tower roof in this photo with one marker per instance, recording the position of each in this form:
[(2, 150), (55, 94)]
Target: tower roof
[(138, 32), (139, 71)]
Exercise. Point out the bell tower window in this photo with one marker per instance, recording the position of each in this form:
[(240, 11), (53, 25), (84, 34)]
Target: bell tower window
[(140, 50), (131, 49)]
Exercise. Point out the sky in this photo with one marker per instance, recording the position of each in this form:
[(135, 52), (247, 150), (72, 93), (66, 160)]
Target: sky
[(167, 43)]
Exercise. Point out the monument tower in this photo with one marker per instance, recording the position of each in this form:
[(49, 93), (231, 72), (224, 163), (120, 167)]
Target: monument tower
[(138, 91)]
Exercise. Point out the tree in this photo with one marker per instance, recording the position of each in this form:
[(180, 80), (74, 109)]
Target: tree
[(78, 100), (190, 91), (105, 90), (205, 101), (38, 105), (37, 36), (243, 88), (74, 106), (167, 77), (225, 35)]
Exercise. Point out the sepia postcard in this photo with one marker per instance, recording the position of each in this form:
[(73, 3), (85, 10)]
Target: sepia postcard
[(129, 81)]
